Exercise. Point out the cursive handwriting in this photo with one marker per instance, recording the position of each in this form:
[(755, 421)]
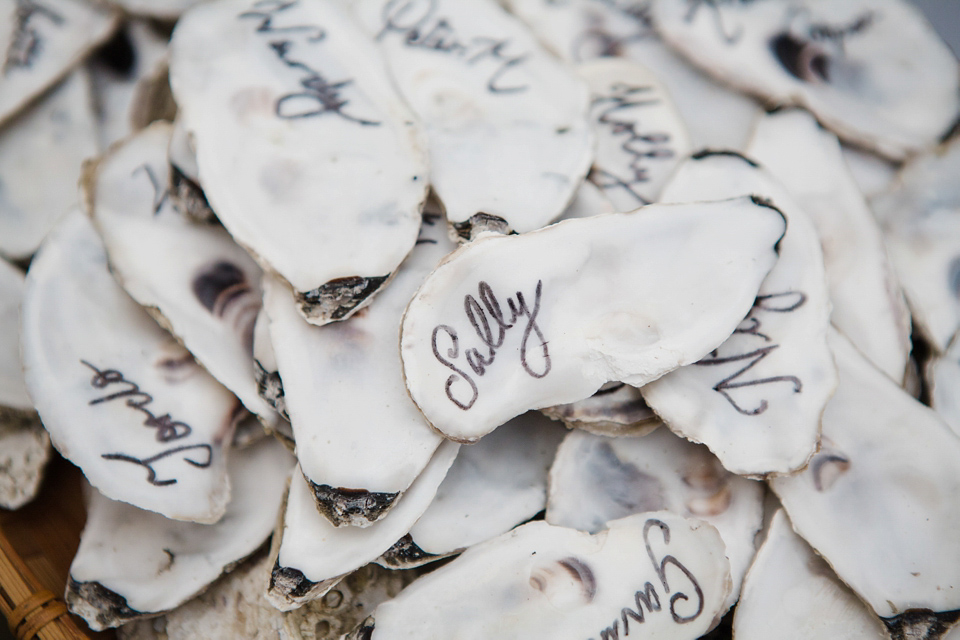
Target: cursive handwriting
[(168, 429), (786, 302), (639, 147), (596, 40), (487, 318), (26, 43), (648, 596), (318, 95), (419, 27), (160, 192)]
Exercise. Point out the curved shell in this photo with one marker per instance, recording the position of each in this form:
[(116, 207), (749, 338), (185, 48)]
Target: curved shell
[(120, 397), (617, 409)]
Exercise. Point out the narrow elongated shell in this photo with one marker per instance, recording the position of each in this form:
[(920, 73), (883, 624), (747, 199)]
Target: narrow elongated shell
[(596, 479), (120, 397), (640, 136), (581, 30), (360, 439), (493, 104), (124, 73), (756, 400), (919, 219), (40, 156), (313, 555), (269, 384), (868, 306), (24, 444), (236, 607), (833, 57), (513, 586), (292, 112), (893, 544), (616, 409), (193, 277), (133, 563), (808, 599), (618, 297), (492, 486), (42, 42)]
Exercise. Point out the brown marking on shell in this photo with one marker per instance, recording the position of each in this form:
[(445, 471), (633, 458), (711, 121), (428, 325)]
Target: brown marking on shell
[(406, 554), (921, 624), (111, 609), (476, 224), (356, 507), (340, 298)]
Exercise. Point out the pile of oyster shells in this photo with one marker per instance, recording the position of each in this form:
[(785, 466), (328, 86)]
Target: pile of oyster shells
[(532, 319)]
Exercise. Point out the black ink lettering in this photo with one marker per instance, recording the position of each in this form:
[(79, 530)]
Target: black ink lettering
[(160, 191), (649, 598), (147, 463), (714, 5), (661, 569), (416, 23), (167, 428), (641, 148), (27, 43), (490, 324), (319, 96)]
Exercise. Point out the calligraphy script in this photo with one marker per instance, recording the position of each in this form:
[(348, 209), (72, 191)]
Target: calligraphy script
[(419, 26), (486, 316), (649, 598), (318, 95), (27, 42), (597, 41), (715, 7), (168, 429), (786, 302), (612, 113)]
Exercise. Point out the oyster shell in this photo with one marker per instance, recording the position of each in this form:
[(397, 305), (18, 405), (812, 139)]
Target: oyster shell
[(640, 136), (492, 486), (589, 201), (868, 306), (617, 409), (185, 176), (193, 278), (943, 380), (833, 57), (40, 156), (756, 400), (788, 578), (312, 556), (120, 397), (293, 114), (133, 563), (507, 124), (513, 586), (617, 297), (873, 174), (919, 219), (269, 384), (24, 444), (894, 544), (125, 71), (41, 41), (160, 9), (360, 439), (236, 607), (581, 30), (596, 479)]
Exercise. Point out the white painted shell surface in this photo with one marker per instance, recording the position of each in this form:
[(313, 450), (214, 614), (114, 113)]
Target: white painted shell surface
[(13, 390)]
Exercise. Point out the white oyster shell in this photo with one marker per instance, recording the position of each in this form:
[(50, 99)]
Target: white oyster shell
[(492, 486), (872, 173), (305, 151), (133, 563), (313, 555), (790, 593), (580, 30), (120, 397), (506, 123), (41, 41), (878, 500), (13, 390), (41, 152), (919, 219), (124, 73), (943, 379), (236, 607), (509, 324), (515, 585), (756, 400), (193, 277), (616, 409), (640, 136), (596, 479), (868, 306), (161, 9), (269, 384), (360, 439), (588, 201), (833, 57)]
